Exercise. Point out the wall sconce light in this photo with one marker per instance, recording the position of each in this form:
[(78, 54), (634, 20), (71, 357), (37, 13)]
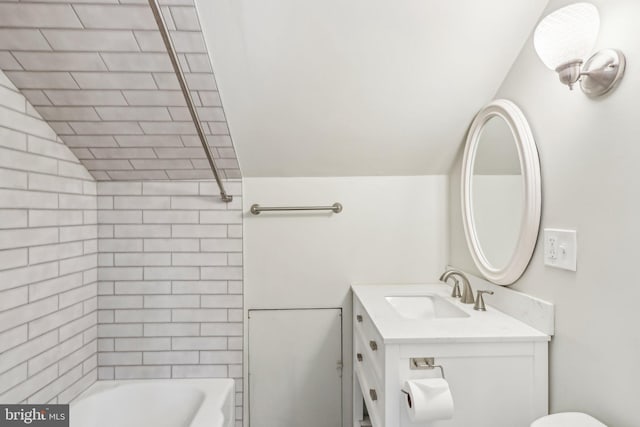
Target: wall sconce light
[(566, 36)]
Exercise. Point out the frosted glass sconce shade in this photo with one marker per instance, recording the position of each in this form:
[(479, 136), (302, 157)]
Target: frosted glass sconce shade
[(567, 35), (564, 38)]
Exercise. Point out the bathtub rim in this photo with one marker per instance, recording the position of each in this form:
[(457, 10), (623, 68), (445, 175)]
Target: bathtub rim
[(216, 390)]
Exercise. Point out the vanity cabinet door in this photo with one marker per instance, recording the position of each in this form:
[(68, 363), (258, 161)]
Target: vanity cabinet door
[(492, 384)]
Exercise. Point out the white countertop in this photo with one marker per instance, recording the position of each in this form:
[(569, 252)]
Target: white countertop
[(481, 326)]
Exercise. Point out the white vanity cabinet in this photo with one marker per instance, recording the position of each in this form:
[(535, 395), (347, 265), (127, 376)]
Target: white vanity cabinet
[(496, 366)]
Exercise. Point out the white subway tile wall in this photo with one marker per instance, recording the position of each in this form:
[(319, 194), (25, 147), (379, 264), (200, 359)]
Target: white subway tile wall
[(109, 280), (170, 281), (48, 254), (98, 71)]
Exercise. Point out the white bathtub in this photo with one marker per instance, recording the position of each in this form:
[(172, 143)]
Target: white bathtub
[(157, 403)]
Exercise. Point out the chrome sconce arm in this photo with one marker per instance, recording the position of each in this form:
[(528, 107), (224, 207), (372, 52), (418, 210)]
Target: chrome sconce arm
[(564, 37), (599, 75)]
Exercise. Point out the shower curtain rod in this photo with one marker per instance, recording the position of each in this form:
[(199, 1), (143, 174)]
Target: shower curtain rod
[(187, 96)]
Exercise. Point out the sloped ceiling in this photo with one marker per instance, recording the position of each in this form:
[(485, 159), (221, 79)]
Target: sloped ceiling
[(98, 72), (359, 87)]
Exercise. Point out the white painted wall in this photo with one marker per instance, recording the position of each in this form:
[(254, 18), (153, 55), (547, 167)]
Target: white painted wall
[(358, 88), (589, 155), (392, 229)]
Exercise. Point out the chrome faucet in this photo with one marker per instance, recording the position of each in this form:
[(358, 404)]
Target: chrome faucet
[(479, 305), (467, 292)]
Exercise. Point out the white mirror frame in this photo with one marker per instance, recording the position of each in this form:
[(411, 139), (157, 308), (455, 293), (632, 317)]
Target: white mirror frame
[(530, 165)]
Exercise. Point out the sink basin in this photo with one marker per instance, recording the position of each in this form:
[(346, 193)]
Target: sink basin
[(424, 307)]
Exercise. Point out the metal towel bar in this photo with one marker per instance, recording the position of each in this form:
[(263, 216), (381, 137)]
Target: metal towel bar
[(256, 209)]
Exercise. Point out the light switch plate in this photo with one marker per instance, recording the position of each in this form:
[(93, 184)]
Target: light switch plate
[(560, 248)]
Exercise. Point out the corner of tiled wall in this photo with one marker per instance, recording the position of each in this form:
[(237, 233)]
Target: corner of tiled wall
[(48, 260), (170, 281), (170, 253), (98, 72)]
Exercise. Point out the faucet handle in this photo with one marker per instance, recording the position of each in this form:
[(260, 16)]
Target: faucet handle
[(479, 305), (455, 292)]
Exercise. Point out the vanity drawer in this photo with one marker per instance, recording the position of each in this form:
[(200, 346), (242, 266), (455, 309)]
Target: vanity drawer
[(372, 392), (364, 356), (371, 344)]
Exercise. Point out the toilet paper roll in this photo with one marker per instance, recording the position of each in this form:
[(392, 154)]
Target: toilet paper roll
[(428, 399)]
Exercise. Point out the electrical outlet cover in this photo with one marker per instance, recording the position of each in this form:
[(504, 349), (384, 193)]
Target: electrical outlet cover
[(560, 248)]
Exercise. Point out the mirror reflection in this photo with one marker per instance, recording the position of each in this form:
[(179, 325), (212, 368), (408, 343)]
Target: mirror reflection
[(497, 193)]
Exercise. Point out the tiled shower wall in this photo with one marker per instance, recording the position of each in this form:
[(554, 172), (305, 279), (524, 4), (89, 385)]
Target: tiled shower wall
[(48, 260), (170, 276), (170, 281), (99, 72)]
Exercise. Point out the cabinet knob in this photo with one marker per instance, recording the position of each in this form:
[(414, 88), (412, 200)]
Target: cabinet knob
[(359, 318), (373, 394), (359, 357), (373, 345)]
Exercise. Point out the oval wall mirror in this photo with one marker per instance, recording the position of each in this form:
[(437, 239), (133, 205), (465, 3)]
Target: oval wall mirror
[(501, 192)]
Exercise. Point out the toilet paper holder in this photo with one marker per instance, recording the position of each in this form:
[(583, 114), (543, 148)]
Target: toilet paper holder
[(425, 363), (422, 363)]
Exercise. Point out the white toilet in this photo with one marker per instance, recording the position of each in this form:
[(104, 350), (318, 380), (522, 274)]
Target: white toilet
[(567, 419)]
